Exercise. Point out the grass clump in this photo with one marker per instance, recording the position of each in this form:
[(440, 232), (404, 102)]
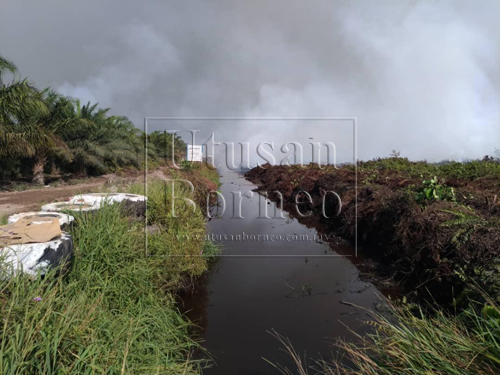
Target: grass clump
[(210, 174), (416, 344), (179, 244), (114, 312), (211, 250), (107, 316)]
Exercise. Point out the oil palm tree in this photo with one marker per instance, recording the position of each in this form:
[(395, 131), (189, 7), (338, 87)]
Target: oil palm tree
[(43, 126), (101, 143), (6, 66), (163, 145), (23, 111)]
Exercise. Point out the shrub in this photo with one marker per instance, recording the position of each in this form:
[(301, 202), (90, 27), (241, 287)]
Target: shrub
[(433, 190)]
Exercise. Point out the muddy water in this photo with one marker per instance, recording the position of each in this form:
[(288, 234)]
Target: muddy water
[(294, 287)]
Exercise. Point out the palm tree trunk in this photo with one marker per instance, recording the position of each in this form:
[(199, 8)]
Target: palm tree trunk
[(81, 171), (38, 170)]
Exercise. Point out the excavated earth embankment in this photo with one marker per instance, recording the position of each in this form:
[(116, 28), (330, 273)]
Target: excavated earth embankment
[(438, 249)]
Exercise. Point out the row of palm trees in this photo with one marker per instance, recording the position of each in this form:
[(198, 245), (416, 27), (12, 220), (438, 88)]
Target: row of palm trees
[(41, 129)]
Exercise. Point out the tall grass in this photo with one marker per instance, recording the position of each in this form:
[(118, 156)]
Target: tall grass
[(178, 247), (416, 344), (113, 313), (210, 174)]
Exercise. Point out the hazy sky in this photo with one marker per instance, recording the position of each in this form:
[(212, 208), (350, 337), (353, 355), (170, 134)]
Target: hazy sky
[(422, 77)]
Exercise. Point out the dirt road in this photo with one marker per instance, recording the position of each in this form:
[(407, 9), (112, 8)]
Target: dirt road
[(31, 200)]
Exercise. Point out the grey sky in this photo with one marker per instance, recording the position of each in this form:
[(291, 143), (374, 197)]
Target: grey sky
[(421, 76)]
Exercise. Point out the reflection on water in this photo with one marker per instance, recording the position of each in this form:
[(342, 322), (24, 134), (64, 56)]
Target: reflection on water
[(293, 287)]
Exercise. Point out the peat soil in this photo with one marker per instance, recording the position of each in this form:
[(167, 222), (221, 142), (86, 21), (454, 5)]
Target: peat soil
[(432, 252)]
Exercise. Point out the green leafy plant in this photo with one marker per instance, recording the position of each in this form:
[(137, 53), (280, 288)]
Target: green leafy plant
[(433, 190)]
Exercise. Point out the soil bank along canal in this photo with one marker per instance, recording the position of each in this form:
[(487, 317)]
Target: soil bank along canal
[(293, 283)]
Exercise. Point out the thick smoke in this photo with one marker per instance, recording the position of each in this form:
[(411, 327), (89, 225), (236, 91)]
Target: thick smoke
[(421, 77)]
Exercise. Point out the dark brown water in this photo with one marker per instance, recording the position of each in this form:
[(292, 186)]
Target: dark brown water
[(293, 287)]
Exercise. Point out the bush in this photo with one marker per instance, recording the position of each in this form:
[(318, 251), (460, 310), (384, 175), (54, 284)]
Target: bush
[(433, 190)]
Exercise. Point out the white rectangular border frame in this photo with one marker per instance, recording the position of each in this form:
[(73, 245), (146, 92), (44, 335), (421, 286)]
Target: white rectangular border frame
[(354, 122)]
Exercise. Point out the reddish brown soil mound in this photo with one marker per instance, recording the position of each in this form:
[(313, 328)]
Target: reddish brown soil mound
[(429, 247)]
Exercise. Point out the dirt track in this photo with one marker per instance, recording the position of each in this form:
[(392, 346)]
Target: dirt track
[(31, 200)]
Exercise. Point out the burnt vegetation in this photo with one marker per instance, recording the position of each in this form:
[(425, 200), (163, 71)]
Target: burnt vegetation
[(434, 228)]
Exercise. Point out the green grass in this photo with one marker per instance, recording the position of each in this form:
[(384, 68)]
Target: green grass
[(210, 174), (437, 344), (414, 343), (114, 312), (211, 250), (178, 247), (468, 170)]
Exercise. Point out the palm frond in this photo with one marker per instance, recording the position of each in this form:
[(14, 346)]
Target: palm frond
[(7, 66)]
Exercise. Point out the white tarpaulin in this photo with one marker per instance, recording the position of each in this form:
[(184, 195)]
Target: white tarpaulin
[(194, 153)]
